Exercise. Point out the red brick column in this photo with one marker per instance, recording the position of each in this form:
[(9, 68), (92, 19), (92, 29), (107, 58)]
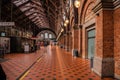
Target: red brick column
[(76, 44), (117, 42), (65, 41), (104, 57), (70, 42), (84, 39), (67, 47)]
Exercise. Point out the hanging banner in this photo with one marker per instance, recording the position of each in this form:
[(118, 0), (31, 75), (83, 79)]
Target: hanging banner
[(7, 23)]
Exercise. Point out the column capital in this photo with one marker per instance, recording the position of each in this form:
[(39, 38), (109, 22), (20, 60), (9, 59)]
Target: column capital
[(103, 4), (65, 34), (77, 27), (69, 32)]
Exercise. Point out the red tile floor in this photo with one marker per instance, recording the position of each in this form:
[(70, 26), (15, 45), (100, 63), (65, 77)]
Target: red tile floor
[(50, 63)]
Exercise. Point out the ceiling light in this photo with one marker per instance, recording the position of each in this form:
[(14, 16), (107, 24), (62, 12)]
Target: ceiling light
[(77, 3)]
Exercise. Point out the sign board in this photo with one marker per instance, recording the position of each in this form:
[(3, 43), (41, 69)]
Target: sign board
[(3, 34), (34, 38), (7, 23)]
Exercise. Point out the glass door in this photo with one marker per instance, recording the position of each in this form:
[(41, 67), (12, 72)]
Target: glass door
[(91, 43)]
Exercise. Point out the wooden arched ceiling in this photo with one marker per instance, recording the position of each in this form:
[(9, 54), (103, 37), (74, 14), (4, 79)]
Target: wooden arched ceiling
[(43, 13), (32, 15)]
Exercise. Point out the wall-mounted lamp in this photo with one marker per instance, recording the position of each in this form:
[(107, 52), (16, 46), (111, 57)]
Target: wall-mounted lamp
[(66, 21), (77, 3), (60, 34), (62, 30), (65, 24)]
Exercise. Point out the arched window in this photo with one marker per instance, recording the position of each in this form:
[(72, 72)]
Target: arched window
[(41, 35), (46, 35), (50, 36)]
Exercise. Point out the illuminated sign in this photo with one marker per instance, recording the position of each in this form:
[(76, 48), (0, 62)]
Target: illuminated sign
[(7, 23)]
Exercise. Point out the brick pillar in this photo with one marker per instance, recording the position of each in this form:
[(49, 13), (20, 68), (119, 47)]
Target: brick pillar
[(117, 42), (104, 51), (76, 39), (76, 44), (65, 41), (84, 40), (61, 41), (70, 42), (80, 41), (67, 47)]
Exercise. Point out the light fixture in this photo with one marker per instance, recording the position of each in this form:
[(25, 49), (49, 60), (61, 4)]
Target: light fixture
[(65, 24), (77, 3), (62, 30), (66, 21)]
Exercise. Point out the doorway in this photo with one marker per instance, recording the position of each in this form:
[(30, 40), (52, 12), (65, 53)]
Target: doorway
[(91, 43)]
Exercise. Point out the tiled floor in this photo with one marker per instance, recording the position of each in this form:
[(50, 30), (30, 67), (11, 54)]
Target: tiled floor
[(51, 63)]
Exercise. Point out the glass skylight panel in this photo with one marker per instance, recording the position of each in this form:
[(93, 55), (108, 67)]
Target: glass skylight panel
[(35, 14), (28, 4), (28, 13), (34, 19), (32, 16), (24, 8), (19, 2), (37, 17), (32, 9)]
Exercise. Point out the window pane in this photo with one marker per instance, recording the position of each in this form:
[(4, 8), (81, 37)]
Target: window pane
[(42, 36), (46, 35), (50, 36), (91, 33)]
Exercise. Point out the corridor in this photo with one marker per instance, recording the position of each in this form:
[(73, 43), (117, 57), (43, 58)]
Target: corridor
[(49, 63)]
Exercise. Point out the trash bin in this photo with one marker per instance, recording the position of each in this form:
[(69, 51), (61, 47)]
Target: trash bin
[(91, 62), (61, 46), (75, 53)]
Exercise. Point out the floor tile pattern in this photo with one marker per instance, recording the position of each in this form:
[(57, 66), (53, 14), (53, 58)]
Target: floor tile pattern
[(58, 65), (18, 63), (51, 63)]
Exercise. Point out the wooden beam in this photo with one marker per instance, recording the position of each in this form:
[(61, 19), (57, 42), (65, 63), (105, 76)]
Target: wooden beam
[(22, 13), (53, 4)]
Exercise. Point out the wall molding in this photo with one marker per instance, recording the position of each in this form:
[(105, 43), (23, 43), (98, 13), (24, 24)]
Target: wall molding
[(117, 76), (104, 67), (89, 23), (106, 5), (103, 4)]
